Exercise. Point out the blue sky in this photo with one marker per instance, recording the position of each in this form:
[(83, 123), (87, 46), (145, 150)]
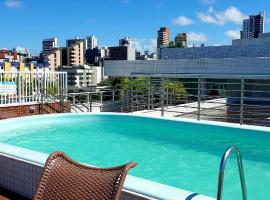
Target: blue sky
[(212, 22)]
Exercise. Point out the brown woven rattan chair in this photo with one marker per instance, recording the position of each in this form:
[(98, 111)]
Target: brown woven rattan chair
[(64, 179)]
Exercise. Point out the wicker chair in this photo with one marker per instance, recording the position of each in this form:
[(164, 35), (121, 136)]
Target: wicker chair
[(64, 179)]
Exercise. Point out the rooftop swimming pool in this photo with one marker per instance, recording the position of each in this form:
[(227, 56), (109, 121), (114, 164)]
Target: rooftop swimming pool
[(183, 154)]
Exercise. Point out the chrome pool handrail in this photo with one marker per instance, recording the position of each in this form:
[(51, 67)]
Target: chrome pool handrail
[(222, 169)]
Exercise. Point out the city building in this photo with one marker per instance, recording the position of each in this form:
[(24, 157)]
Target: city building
[(48, 45), (151, 56), (32, 59), (147, 55), (163, 37), (247, 56), (92, 56), (263, 39), (75, 53), (22, 67), (7, 56), (91, 42), (14, 55), (181, 40), (122, 53), (125, 42), (253, 47), (71, 42), (104, 53), (54, 58), (227, 67), (138, 55), (82, 76), (253, 26)]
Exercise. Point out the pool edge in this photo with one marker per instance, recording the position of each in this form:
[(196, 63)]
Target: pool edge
[(194, 121), (132, 184)]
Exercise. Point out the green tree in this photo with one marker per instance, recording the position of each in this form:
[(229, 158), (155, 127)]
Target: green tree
[(125, 84), (140, 84), (174, 87), (111, 81)]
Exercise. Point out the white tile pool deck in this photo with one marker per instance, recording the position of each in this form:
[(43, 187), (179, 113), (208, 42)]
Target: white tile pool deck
[(185, 109)]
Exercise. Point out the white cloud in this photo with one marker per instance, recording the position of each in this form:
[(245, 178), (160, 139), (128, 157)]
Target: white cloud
[(142, 44), (233, 34), (208, 1), (197, 37), (13, 3), (182, 21), (231, 14)]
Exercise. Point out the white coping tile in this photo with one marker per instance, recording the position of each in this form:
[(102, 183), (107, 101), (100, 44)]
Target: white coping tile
[(21, 120)]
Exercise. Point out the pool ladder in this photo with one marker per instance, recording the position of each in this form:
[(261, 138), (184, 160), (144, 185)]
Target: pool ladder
[(222, 169)]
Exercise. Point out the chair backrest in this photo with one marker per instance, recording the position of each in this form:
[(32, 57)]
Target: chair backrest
[(64, 179)]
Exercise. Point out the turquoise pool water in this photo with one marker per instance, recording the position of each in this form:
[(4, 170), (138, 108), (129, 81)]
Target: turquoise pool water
[(180, 154)]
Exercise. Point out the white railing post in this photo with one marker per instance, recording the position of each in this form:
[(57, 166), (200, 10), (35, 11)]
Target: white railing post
[(19, 86)]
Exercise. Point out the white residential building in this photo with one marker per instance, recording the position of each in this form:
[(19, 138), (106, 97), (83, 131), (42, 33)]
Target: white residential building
[(91, 42), (83, 76), (104, 52)]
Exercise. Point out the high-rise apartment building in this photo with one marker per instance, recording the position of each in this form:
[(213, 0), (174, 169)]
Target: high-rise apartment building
[(75, 54), (181, 40), (91, 42), (253, 26), (163, 38), (48, 45), (71, 42), (122, 53), (54, 58), (76, 49)]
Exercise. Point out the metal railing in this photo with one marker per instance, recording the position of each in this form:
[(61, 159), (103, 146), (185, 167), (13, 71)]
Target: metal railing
[(95, 100), (235, 99), (47, 98), (28, 87), (240, 169)]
